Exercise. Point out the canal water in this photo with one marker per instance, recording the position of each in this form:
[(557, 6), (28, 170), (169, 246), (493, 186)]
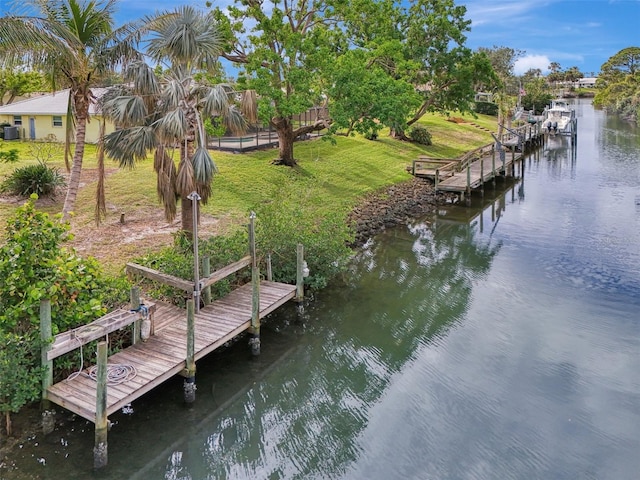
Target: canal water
[(497, 341)]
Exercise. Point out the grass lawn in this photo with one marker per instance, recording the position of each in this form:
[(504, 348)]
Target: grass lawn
[(328, 179)]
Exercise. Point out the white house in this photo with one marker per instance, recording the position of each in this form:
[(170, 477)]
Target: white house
[(41, 116), (586, 82)]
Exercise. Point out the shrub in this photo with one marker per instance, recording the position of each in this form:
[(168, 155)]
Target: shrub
[(420, 135), (487, 108), (35, 266), (39, 179)]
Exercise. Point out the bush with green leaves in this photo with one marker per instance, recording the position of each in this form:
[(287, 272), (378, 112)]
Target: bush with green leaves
[(487, 108), (34, 265), (39, 178), (420, 135), (282, 225)]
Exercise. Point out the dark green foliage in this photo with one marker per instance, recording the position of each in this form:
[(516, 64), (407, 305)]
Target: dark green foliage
[(20, 370), (39, 179), (487, 108), (34, 266), (420, 135), (281, 225)]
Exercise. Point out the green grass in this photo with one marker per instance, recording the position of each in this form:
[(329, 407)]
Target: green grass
[(332, 177)]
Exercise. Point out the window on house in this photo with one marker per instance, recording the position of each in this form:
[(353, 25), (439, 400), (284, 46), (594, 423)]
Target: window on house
[(17, 120), (57, 121)]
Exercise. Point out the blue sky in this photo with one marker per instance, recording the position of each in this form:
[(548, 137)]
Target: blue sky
[(581, 33)]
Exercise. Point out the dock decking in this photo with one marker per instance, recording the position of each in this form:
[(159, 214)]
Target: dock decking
[(163, 354)]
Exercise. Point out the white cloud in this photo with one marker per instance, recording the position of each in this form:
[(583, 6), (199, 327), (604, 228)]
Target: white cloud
[(528, 62)]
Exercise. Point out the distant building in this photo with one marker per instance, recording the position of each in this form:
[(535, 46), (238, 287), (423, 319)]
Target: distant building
[(40, 117), (586, 82)]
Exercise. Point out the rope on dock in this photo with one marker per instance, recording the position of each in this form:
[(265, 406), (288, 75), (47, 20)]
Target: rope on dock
[(117, 373)]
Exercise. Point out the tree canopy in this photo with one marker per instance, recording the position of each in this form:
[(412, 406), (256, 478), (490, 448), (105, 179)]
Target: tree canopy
[(293, 53), (619, 84)]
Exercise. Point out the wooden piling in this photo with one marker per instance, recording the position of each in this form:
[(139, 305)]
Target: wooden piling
[(46, 337), (189, 373), (135, 305), (100, 456), (299, 273), (269, 269), (468, 184), (482, 176), (206, 271), (254, 330)]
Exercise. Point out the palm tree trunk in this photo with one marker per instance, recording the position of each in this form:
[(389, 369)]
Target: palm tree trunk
[(82, 112)]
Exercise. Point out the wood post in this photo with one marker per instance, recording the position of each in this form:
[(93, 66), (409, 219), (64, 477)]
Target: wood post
[(254, 330), (189, 385), (269, 269), (482, 176), (135, 305), (299, 273), (102, 424), (437, 179), (46, 336), (468, 185), (206, 271), (493, 168)]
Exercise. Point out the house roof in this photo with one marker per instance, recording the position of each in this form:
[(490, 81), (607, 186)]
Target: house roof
[(48, 104)]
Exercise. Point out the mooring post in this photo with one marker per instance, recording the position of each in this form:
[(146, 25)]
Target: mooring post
[(299, 273), (102, 424), (269, 269), (482, 176), (206, 271), (437, 179), (134, 296), (48, 421), (189, 385), (254, 330), (468, 185)]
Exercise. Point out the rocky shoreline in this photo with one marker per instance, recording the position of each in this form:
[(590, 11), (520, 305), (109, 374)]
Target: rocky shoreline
[(395, 205)]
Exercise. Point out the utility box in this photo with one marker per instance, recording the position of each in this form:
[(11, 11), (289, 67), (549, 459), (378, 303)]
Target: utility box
[(11, 133)]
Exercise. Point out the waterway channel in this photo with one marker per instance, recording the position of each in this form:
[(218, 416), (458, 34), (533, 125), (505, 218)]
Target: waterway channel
[(496, 341)]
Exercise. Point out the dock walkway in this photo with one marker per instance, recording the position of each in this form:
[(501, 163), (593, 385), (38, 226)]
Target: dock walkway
[(163, 354)]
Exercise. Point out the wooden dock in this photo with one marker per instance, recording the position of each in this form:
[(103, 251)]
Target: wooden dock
[(163, 355), (166, 339), (473, 169)]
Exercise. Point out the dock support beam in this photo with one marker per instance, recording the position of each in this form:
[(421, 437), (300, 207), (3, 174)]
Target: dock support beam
[(206, 271), (254, 330), (189, 385), (299, 273), (100, 456), (134, 296), (48, 421)]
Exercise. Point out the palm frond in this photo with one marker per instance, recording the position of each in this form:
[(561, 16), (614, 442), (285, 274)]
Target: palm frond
[(173, 126), (235, 121), (249, 105), (125, 110), (217, 100), (185, 183), (142, 77), (203, 166), (128, 145), (166, 182), (188, 37)]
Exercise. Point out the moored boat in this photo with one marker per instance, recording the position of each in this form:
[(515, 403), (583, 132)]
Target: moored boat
[(559, 118)]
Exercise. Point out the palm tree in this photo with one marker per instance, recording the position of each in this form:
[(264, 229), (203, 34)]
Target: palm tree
[(74, 42), (165, 113)]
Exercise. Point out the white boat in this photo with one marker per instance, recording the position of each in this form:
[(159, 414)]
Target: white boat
[(559, 118)]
